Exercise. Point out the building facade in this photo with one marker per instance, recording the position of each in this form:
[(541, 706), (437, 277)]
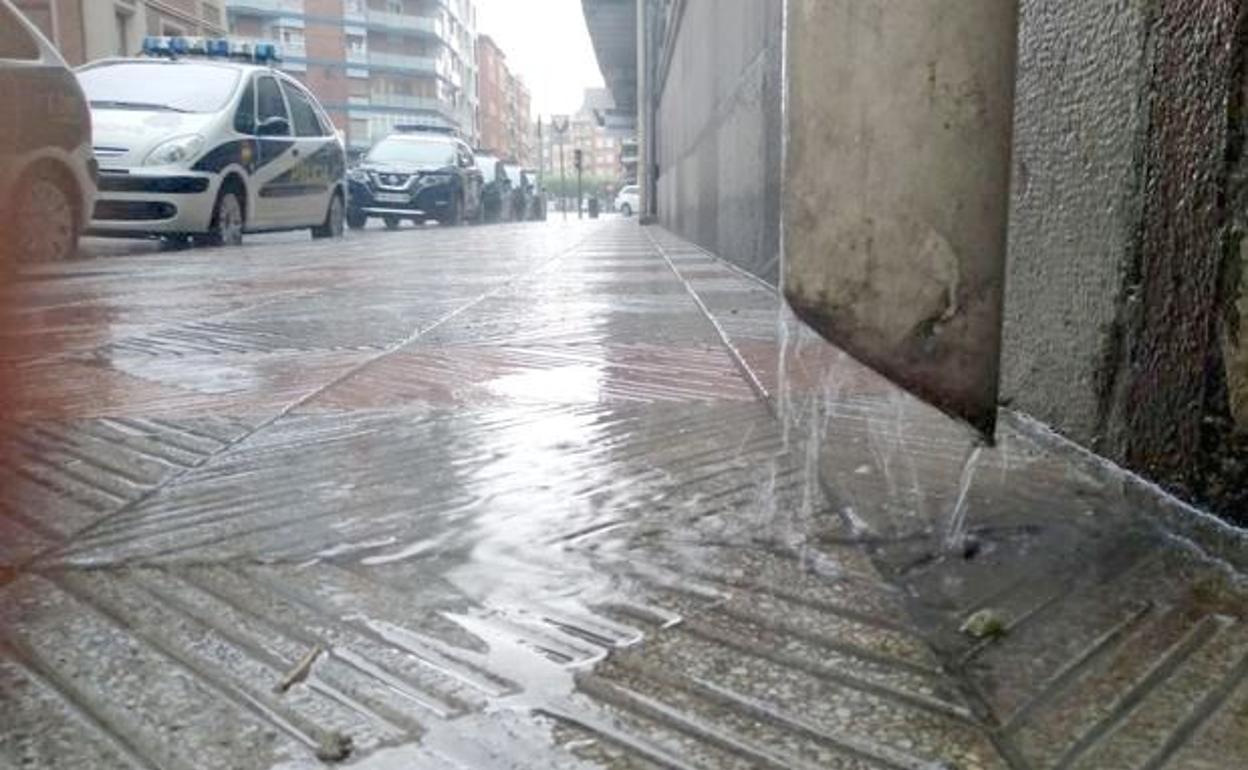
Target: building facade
[(603, 149), (85, 30), (506, 123), (375, 64)]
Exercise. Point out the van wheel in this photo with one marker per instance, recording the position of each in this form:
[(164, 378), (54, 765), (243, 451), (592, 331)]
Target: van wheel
[(227, 221), (392, 223), (332, 227), (46, 220)]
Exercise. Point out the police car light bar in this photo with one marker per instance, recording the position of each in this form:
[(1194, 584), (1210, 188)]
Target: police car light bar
[(219, 48), (421, 128)]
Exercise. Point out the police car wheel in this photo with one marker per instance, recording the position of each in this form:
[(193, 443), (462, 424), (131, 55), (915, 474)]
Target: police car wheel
[(392, 223), (47, 228), (227, 220), (332, 228)]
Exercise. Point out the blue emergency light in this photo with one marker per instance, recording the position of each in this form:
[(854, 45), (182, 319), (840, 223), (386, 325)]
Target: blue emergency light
[(213, 48)]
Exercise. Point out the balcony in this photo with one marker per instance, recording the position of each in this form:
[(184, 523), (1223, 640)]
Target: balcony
[(423, 64), (267, 7), (357, 57), (405, 22), (296, 51), (400, 101)]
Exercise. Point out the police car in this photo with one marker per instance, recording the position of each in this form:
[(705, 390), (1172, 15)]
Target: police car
[(200, 139)]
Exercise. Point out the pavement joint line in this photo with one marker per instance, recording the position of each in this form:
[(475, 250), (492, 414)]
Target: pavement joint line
[(738, 359), (61, 549), (1158, 673), (1195, 719), (90, 350), (1099, 648), (233, 693), (19, 652)]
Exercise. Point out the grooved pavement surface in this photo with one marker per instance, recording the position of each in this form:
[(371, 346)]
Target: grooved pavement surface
[(520, 496)]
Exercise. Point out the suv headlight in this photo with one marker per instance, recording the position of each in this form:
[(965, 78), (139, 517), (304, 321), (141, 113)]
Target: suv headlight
[(358, 175), (428, 180), (175, 151)]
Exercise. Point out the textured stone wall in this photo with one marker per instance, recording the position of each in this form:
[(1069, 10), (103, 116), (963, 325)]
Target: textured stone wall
[(1119, 224)]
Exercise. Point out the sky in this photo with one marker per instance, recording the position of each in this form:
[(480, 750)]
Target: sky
[(547, 45)]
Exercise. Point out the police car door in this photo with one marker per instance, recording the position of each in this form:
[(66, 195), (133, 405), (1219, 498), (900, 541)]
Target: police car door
[(276, 155), (319, 161)]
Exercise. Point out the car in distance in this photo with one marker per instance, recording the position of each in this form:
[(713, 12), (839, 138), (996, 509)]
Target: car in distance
[(416, 173), (521, 191), (537, 195), (496, 192), (47, 171), (628, 200), (194, 143)]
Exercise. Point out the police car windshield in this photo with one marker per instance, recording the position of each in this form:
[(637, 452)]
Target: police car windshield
[(159, 86), (424, 153)]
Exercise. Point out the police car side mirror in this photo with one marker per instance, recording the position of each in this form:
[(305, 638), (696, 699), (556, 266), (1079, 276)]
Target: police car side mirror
[(274, 126)]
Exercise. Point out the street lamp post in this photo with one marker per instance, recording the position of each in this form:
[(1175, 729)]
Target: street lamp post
[(561, 128)]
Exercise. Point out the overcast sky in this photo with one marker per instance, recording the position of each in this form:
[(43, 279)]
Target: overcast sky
[(547, 44)]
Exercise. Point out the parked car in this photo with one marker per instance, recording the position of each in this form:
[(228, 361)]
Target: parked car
[(47, 172), (210, 148), (537, 196), (521, 191), (628, 201), (416, 174), (496, 192)]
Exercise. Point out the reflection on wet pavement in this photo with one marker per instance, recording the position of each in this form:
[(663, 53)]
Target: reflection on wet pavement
[(549, 496)]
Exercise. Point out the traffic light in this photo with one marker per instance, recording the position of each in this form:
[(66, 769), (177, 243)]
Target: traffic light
[(578, 158)]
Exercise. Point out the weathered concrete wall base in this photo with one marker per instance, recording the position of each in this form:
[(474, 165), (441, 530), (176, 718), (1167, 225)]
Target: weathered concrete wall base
[(897, 185)]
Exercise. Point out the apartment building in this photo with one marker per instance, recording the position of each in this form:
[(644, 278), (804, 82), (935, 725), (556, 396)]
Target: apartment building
[(85, 30), (375, 64), (604, 151), (506, 122)]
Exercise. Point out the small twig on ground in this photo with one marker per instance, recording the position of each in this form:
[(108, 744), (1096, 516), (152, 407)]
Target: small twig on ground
[(300, 671)]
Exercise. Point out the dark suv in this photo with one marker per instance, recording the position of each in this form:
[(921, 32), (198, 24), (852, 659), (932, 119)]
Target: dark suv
[(47, 169), (416, 174), (496, 195)]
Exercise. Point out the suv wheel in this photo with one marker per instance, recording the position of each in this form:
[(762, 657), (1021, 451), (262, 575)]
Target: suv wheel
[(227, 221), (356, 219), (626, 210), (332, 227), (454, 217), (392, 223), (46, 220)]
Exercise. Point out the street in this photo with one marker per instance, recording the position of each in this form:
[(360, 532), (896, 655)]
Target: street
[(532, 496)]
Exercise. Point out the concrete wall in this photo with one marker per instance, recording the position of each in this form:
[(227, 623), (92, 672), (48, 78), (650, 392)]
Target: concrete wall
[(1118, 243), (1076, 206), (718, 132), (897, 186)]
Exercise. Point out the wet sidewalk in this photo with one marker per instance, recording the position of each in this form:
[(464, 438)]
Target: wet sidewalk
[(548, 496)]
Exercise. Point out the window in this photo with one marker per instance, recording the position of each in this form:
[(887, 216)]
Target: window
[(15, 42), (245, 117), (158, 85), (302, 111), (269, 103), (122, 21)]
